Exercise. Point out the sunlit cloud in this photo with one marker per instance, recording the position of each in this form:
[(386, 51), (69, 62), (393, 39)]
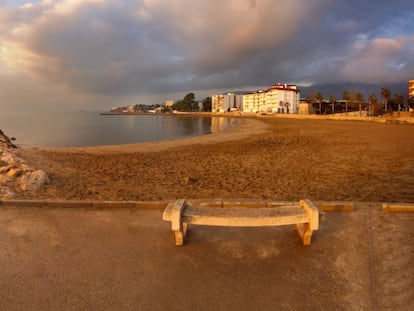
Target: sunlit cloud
[(16, 58), (380, 60), (122, 49)]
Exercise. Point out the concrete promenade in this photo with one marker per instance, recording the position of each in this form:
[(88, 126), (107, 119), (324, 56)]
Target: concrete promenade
[(124, 258)]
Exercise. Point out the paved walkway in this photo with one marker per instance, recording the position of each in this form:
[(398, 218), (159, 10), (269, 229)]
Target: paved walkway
[(124, 259)]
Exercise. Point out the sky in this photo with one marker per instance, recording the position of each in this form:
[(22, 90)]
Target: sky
[(67, 55)]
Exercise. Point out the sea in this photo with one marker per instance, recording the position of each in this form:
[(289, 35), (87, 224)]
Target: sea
[(81, 129)]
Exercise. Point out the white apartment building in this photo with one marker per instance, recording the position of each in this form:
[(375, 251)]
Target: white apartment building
[(279, 98), (410, 88), (253, 102), (226, 102)]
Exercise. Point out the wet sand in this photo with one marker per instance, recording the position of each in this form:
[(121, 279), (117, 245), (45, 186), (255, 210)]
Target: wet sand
[(263, 158)]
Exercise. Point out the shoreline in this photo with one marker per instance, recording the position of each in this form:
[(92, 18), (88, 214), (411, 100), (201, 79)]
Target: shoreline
[(239, 131), (212, 137), (246, 127)]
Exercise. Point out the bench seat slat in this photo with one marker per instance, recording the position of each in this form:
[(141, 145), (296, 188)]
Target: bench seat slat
[(245, 217)]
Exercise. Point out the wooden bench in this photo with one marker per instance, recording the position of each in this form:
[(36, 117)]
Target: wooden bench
[(304, 215)]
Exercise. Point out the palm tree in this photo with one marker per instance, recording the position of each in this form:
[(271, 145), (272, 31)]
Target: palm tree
[(287, 105), (385, 94), (319, 98), (346, 97), (332, 100), (281, 104), (399, 100), (359, 99), (372, 100)]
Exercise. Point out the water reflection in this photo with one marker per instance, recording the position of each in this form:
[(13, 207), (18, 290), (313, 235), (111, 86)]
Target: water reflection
[(221, 123)]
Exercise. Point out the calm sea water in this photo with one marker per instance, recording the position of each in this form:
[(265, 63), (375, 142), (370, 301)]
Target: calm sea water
[(79, 129)]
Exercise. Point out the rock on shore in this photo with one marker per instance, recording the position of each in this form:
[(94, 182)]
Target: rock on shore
[(15, 173), (5, 142)]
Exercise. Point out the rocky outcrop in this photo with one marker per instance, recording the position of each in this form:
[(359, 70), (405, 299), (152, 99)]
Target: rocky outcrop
[(5, 142), (15, 174)]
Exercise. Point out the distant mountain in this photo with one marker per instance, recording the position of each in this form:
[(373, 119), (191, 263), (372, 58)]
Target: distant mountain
[(337, 89)]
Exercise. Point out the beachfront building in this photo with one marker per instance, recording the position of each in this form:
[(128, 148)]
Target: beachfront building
[(217, 103), (306, 108), (169, 103), (131, 108), (410, 88), (226, 102), (282, 98), (279, 98), (253, 102)]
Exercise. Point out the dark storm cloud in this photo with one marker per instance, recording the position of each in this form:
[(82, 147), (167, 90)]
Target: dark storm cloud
[(120, 49)]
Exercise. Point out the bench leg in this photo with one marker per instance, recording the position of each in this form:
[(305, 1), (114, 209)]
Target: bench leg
[(177, 226), (305, 233), (179, 235)]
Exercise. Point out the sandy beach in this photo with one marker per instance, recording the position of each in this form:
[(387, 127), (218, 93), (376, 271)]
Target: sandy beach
[(263, 158)]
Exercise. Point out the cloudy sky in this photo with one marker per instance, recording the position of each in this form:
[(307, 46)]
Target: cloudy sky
[(95, 54)]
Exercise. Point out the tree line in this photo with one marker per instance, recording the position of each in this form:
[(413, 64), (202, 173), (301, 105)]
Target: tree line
[(190, 104), (355, 101)]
